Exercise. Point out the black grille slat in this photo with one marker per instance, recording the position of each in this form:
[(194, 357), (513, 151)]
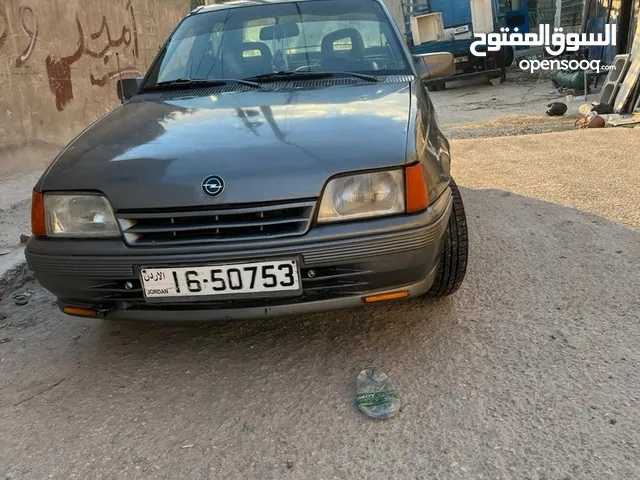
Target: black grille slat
[(206, 212), (171, 240), (211, 226), (335, 276), (337, 286), (198, 226)]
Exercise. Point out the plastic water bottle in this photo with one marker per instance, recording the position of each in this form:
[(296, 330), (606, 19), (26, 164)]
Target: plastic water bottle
[(375, 394)]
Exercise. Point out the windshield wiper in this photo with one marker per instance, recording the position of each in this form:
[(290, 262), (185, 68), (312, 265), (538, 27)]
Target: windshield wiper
[(309, 75), (195, 83), (361, 76), (287, 75)]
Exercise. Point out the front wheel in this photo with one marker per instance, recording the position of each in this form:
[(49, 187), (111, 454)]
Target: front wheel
[(455, 250)]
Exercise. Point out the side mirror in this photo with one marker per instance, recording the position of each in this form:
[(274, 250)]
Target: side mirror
[(432, 66), (128, 87)]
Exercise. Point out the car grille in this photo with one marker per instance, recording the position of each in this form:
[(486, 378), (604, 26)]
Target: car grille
[(205, 225), (328, 282)]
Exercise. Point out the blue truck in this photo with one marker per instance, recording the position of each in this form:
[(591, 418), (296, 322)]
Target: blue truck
[(458, 19)]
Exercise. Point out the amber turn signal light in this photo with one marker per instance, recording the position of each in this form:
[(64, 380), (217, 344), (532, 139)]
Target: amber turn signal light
[(80, 312), (38, 226), (416, 189), (386, 297)]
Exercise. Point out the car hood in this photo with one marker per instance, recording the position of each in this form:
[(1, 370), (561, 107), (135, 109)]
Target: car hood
[(266, 145)]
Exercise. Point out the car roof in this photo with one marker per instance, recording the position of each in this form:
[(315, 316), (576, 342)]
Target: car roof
[(244, 3)]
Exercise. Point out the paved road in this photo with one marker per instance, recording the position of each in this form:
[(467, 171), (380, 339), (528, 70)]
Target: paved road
[(530, 371)]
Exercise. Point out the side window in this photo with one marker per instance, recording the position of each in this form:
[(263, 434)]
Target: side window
[(379, 49)]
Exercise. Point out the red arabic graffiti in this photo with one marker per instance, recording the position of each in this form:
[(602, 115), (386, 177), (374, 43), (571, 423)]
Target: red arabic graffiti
[(102, 81), (59, 70), (5, 33), (134, 26), (29, 28), (30, 31)]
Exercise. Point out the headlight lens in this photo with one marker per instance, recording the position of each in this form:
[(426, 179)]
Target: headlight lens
[(363, 196), (79, 216)]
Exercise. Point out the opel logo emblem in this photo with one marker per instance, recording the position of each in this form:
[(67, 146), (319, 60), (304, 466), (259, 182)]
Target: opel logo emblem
[(213, 186)]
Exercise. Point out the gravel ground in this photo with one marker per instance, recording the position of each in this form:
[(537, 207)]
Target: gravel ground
[(511, 126), (477, 109), (15, 207), (529, 372)]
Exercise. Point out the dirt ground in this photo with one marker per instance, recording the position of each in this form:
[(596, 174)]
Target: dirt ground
[(477, 109), (529, 372)]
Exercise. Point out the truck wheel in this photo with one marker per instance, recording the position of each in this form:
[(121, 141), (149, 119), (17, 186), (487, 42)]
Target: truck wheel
[(509, 56), (455, 251)]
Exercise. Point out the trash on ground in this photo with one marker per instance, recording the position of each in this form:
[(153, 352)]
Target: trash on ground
[(21, 299), (618, 120), (585, 109), (557, 109), (4, 251), (375, 394), (599, 108), (24, 238), (602, 108), (591, 120)]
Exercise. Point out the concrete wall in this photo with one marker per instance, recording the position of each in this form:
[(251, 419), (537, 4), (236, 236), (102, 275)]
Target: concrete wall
[(58, 67), (395, 8), (482, 16)]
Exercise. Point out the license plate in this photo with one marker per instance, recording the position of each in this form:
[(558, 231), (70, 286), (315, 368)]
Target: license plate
[(266, 279), (461, 59)]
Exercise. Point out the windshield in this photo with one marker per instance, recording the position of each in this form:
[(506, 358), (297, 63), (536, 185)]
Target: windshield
[(320, 36)]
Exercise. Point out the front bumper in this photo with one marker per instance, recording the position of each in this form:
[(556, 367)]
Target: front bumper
[(350, 262)]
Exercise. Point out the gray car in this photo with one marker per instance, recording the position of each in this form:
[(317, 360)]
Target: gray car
[(279, 157)]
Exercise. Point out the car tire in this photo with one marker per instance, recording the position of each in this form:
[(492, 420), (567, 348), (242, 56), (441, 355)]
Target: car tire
[(509, 57), (455, 251)]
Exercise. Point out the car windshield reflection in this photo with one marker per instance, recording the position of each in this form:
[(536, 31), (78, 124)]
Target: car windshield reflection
[(337, 38)]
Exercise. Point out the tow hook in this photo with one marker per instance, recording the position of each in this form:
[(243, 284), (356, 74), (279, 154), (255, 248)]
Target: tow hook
[(102, 310)]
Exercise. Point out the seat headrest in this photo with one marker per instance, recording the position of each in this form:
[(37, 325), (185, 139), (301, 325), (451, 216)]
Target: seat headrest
[(357, 44), (263, 48)]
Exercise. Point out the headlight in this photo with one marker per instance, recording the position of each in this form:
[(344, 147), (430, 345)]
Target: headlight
[(79, 216), (363, 196)]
